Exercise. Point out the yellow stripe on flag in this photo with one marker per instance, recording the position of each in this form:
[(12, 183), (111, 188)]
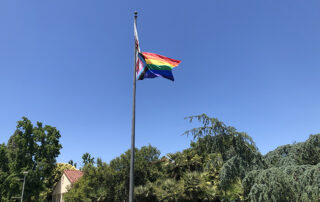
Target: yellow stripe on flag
[(158, 62)]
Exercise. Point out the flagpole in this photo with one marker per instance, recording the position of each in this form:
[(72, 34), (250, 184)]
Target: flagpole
[(131, 190)]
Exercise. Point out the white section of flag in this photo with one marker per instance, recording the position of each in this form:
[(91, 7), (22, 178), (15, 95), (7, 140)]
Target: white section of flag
[(136, 38), (139, 64)]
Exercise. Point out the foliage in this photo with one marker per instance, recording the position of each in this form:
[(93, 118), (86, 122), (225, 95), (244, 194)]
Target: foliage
[(54, 178), (237, 149), (95, 185), (221, 164), (87, 159), (145, 193), (293, 174), (303, 153), (269, 185), (210, 170), (33, 149), (169, 190), (110, 182), (72, 163), (4, 171)]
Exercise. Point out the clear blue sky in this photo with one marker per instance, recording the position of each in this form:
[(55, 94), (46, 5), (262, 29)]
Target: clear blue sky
[(253, 64)]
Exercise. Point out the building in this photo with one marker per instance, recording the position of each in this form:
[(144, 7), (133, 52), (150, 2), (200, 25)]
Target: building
[(67, 179)]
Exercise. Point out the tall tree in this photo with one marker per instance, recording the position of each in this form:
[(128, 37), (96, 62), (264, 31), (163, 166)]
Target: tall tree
[(237, 149), (293, 174), (4, 171), (33, 149)]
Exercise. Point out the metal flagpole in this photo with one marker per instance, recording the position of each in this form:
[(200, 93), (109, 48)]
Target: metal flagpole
[(133, 120)]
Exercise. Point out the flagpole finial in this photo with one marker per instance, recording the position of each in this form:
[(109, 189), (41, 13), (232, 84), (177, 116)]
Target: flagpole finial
[(135, 13)]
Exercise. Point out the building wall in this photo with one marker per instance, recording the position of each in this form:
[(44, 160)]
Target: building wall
[(60, 189)]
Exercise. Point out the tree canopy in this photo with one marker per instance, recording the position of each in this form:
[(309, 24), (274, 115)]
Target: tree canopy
[(110, 182), (221, 164), (33, 149)]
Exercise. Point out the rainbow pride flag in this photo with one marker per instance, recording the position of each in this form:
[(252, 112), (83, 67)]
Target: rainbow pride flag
[(151, 65)]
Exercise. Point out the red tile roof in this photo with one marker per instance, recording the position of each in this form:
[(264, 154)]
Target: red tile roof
[(73, 175)]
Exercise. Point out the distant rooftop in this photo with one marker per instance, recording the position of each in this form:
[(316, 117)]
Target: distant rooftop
[(73, 175)]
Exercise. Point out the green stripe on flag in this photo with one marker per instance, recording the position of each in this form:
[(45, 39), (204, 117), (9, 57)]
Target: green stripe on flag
[(159, 67)]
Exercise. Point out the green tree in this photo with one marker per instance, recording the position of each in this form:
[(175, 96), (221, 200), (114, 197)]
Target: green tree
[(195, 187), (147, 168), (169, 190), (72, 163), (303, 153), (87, 159), (145, 193), (237, 149), (33, 149), (53, 179), (207, 171), (293, 174), (97, 184), (4, 171), (221, 164), (110, 182), (269, 185)]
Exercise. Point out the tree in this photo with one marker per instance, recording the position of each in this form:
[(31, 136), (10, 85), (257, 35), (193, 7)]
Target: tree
[(96, 184), (221, 164), (237, 149), (54, 179), (72, 163), (269, 185), (87, 159), (303, 153), (4, 171), (33, 149), (195, 187), (145, 193), (110, 182), (169, 190), (293, 174)]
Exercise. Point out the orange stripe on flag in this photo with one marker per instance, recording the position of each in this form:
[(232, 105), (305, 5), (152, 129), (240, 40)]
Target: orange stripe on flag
[(154, 56)]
